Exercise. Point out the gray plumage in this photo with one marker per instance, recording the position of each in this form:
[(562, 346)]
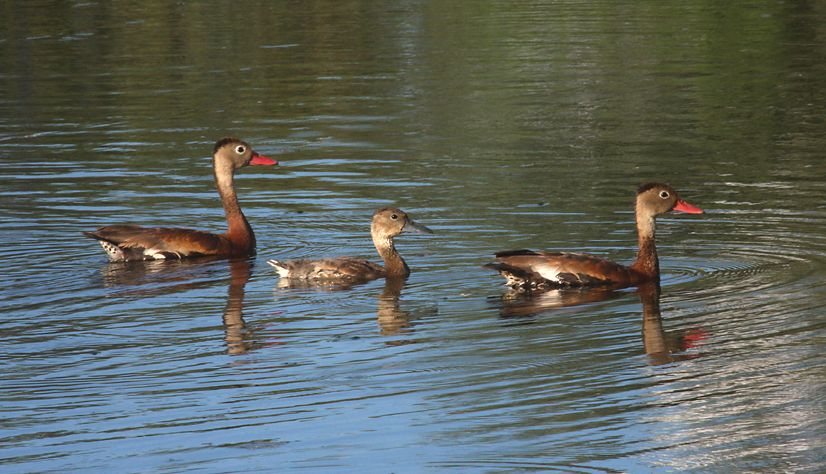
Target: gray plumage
[(387, 223)]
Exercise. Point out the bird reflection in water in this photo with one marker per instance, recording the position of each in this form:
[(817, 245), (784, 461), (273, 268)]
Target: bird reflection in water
[(661, 347), (159, 277), (151, 277), (238, 337), (664, 347), (517, 303), (392, 320)]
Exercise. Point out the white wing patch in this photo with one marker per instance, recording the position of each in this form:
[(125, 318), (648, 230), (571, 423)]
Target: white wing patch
[(160, 254), (548, 272)]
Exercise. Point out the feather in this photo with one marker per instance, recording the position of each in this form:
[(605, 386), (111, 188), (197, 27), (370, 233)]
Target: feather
[(132, 242), (532, 270), (343, 268)]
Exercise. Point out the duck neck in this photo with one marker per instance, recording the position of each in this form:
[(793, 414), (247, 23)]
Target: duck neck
[(394, 264), (239, 232), (647, 262)]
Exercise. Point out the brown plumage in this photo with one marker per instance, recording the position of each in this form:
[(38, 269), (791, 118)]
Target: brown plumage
[(387, 223), (132, 242), (527, 269)]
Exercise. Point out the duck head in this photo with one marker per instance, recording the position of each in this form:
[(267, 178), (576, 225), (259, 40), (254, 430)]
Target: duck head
[(389, 222), (654, 199), (234, 153)]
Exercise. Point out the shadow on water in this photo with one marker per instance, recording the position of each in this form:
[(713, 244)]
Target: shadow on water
[(661, 346)]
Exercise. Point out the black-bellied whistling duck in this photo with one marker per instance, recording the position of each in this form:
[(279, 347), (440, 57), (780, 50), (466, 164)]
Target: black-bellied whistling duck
[(132, 242), (529, 270), (387, 223)]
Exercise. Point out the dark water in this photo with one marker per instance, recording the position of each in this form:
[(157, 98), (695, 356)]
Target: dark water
[(500, 125)]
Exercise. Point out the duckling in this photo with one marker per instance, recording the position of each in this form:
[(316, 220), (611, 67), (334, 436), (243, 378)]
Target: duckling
[(387, 223)]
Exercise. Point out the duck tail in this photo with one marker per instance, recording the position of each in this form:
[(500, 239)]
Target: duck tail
[(282, 270)]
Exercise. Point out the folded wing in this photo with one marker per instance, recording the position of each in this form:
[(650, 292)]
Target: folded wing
[(531, 269), (132, 242), (342, 268)]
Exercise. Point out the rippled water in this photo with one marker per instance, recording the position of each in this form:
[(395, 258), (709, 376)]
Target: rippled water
[(498, 125)]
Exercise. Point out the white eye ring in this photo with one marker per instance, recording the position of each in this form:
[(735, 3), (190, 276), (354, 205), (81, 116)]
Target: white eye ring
[(664, 194), (240, 149)]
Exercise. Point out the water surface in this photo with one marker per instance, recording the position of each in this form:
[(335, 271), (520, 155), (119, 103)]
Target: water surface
[(500, 126)]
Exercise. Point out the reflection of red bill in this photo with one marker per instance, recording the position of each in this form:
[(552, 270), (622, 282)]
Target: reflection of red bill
[(693, 338)]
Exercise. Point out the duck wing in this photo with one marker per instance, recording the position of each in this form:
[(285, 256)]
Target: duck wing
[(530, 269), (342, 268), (133, 242)]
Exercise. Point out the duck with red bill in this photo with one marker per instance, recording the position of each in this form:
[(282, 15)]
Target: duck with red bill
[(125, 242), (529, 270)]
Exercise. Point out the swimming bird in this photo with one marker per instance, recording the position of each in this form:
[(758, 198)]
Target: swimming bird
[(531, 270), (128, 242), (387, 223)]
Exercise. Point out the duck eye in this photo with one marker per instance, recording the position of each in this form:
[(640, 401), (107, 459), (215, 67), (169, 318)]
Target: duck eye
[(664, 194), (394, 216), (240, 149)]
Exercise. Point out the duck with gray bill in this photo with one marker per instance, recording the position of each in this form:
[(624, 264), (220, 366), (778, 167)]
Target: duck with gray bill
[(387, 223)]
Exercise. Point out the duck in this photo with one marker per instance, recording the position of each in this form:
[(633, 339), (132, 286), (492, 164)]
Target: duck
[(129, 242), (538, 270), (387, 223)]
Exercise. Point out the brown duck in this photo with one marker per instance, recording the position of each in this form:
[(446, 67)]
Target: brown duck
[(528, 270), (387, 224), (132, 242)]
